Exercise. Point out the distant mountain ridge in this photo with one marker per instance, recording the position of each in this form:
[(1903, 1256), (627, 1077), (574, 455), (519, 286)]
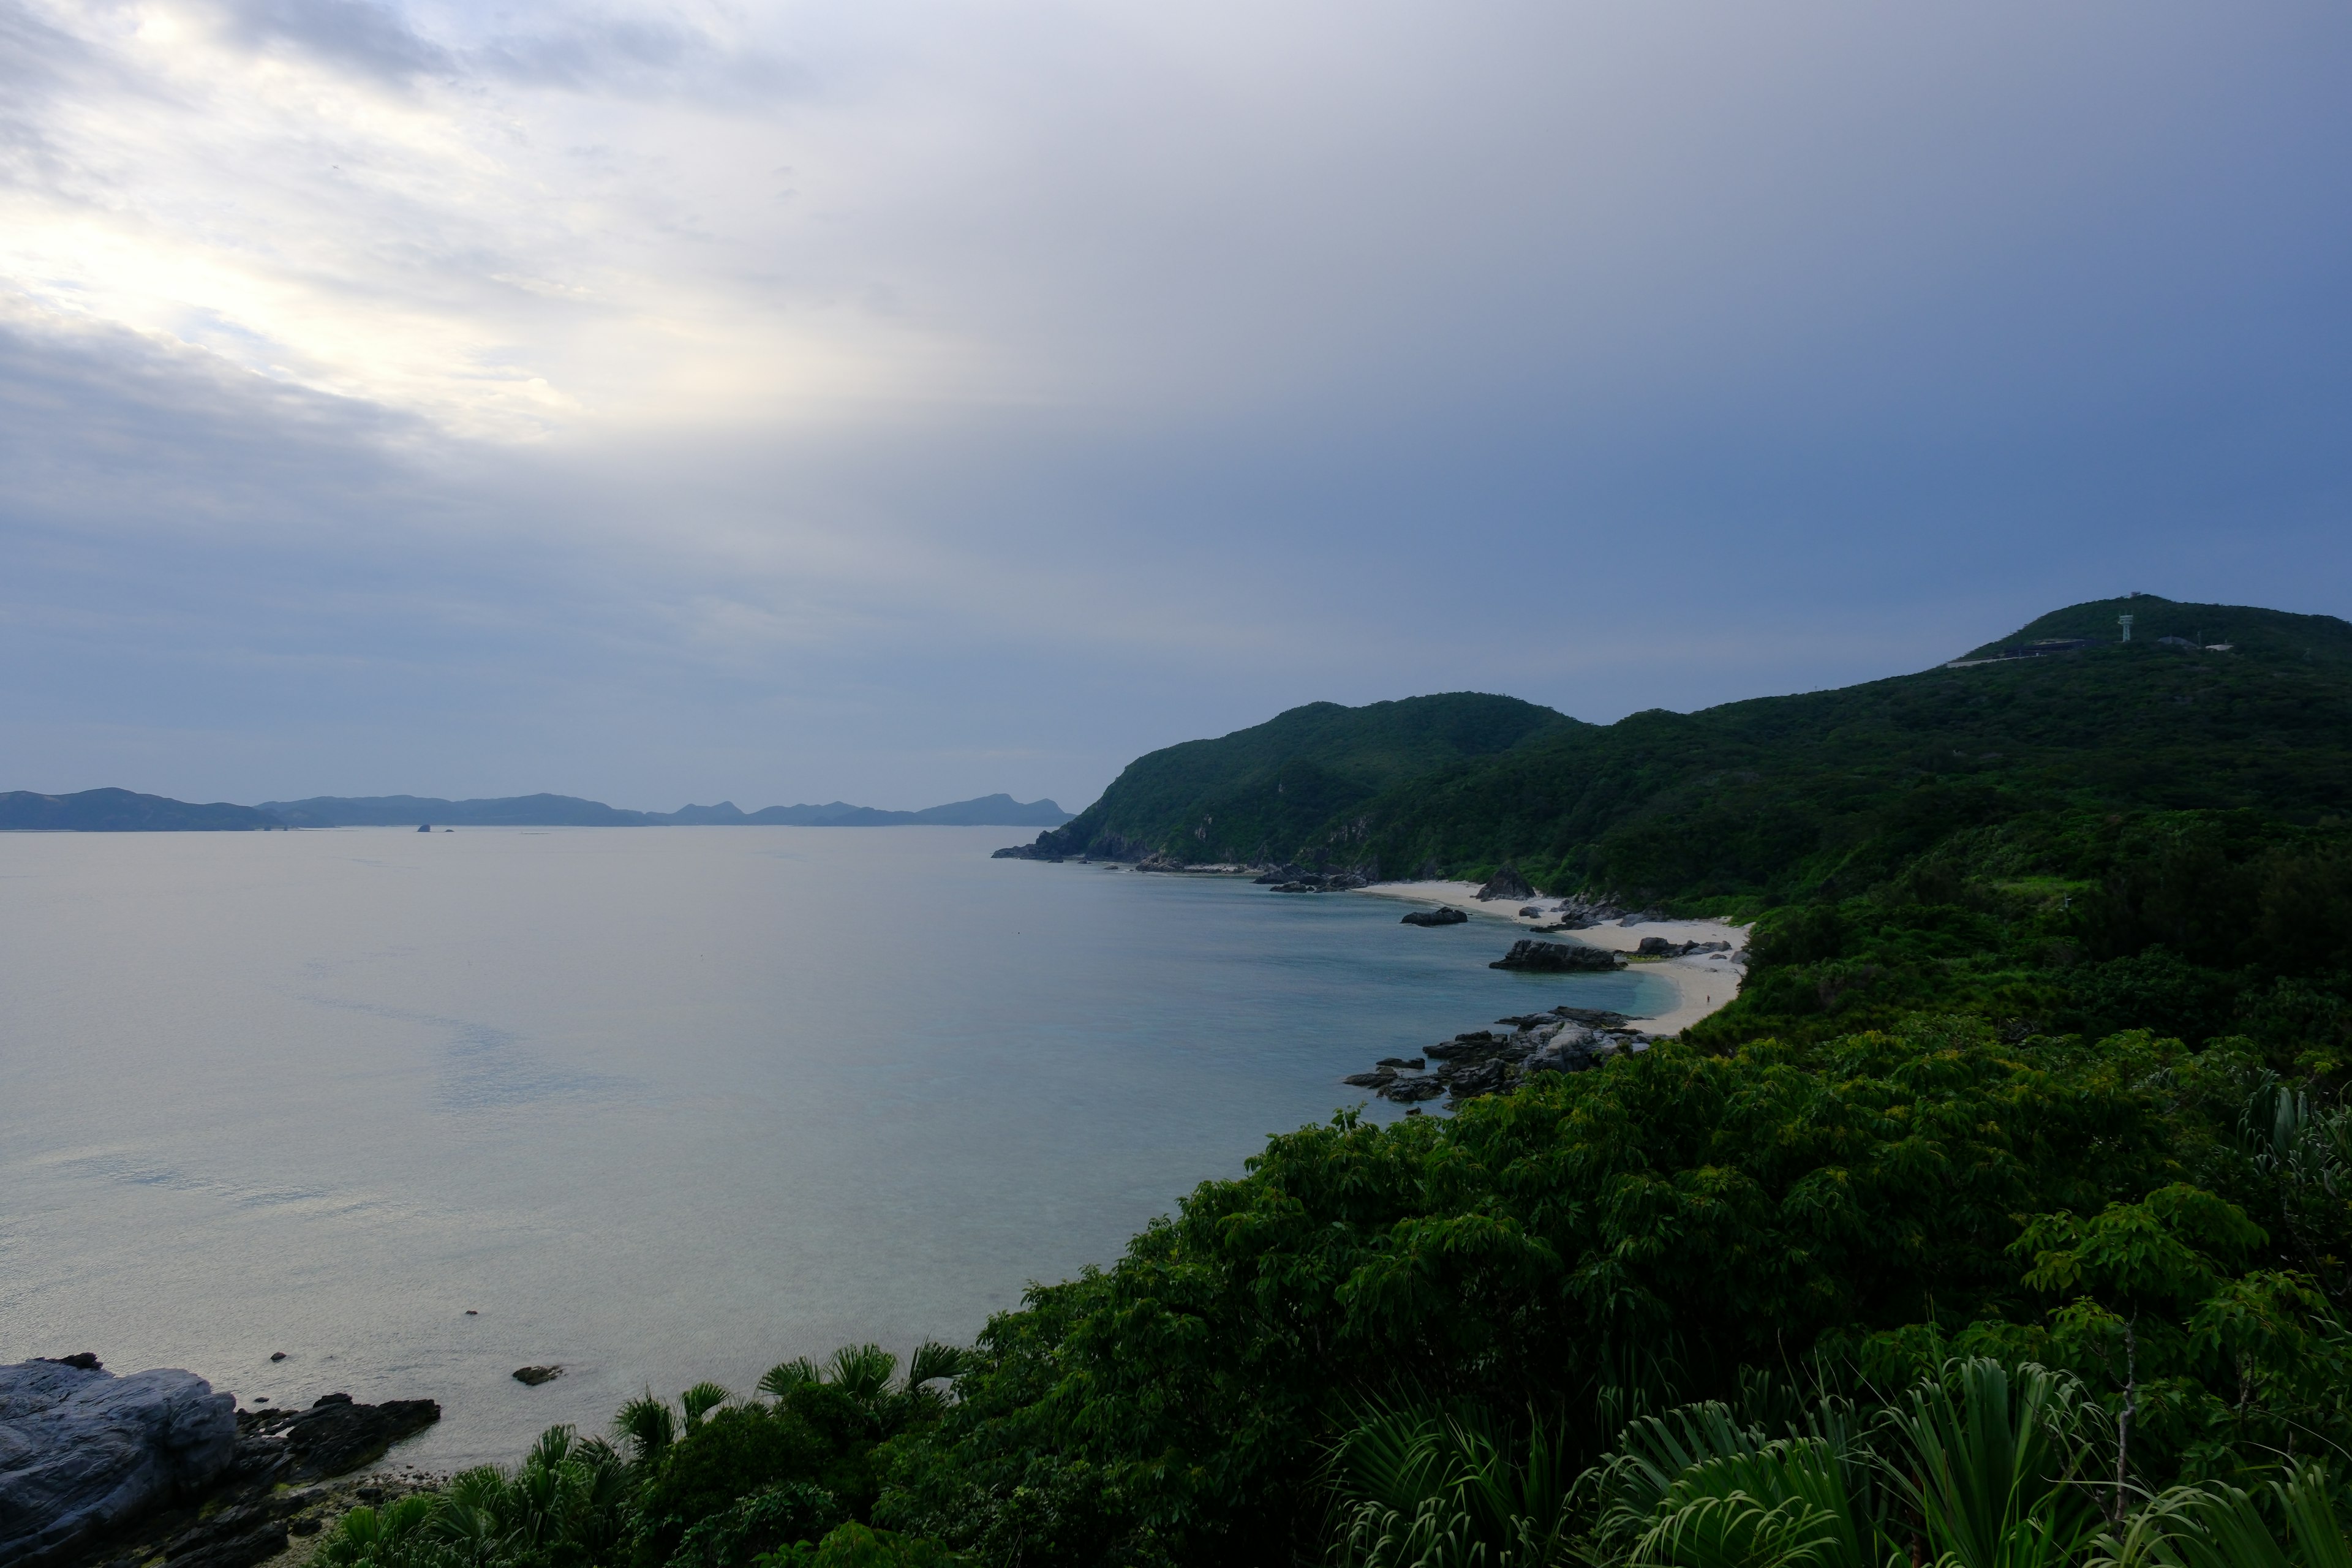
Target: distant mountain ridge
[(124, 811)]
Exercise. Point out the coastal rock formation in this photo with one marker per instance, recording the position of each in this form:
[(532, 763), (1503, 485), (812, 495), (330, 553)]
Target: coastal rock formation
[(532, 1377), (1483, 1061), (83, 1451), (1580, 914), (334, 1436), (1556, 958), (272, 1491), (1440, 917), (1659, 947), (1506, 883), (1313, 882), (277, 1482)]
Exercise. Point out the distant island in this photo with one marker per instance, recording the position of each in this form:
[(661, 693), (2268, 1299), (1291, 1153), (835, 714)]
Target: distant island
[(124, 811)]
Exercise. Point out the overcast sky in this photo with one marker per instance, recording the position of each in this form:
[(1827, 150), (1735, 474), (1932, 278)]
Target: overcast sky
[(904, 402)]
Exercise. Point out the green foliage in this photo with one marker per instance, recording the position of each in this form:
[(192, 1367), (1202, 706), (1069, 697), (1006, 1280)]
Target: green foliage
[(855, 1546), (1653, 1228)]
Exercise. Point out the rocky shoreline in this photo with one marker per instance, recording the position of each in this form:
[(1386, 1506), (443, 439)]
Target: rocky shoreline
[(97, 1470), (1564, 1040)]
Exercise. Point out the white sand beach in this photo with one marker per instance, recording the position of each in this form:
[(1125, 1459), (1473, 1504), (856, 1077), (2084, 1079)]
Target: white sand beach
[(1702, 983)]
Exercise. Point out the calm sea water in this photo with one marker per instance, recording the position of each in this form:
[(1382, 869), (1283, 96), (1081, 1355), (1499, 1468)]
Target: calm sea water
[(659, 1105)]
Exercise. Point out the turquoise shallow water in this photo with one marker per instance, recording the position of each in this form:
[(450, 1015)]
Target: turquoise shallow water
[(658, 1104)]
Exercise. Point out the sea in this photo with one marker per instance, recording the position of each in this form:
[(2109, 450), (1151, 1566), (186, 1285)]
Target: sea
[(393, 1113)]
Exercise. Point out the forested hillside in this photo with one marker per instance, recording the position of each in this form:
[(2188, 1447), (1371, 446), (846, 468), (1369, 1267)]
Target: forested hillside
[(1259, 794), (1779, 797)]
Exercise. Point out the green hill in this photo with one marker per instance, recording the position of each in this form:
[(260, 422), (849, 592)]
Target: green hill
[(1259, 794), (1760, 801), (1831, 792)]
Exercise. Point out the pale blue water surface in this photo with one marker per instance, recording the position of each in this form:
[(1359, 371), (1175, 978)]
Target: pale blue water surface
[(659, 1104)]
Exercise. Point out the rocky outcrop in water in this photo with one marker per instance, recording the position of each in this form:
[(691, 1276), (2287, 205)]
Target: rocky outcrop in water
[(1439, 917), (1489, 1061), (1556, 958), (83, 1451)]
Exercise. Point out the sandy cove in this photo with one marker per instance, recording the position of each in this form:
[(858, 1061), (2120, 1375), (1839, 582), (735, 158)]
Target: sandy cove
[(1702, 983)]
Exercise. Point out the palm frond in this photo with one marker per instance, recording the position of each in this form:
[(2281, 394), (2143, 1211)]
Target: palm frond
[(700, 1401), (786, 1376), (645, 1426), (862, 1372), (934, 1361)]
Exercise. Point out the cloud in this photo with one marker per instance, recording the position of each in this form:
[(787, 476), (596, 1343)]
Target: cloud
[(354, 35), (416, 395)]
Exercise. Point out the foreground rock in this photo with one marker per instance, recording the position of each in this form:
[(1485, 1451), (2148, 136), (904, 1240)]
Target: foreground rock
[(1441, 916), (95, 1469), (83, 1452), (1556, 958)]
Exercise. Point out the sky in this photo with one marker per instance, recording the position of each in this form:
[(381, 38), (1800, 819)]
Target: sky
[(901, 403)]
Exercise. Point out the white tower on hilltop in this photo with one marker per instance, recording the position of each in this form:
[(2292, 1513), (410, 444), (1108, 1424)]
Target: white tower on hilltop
[(2124, 622)]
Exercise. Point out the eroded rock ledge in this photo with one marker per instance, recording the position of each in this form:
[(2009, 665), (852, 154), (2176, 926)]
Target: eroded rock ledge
[(99, 1468)]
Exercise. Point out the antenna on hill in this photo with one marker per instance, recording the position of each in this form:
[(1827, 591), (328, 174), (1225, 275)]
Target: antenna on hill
[(2125, 621)]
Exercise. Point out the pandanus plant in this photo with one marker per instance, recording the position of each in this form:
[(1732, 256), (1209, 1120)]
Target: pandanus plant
[(1446, 1489), (863, 1373), (1981, 1466)]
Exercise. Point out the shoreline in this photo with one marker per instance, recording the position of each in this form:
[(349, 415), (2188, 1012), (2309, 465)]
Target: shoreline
[(1702, 986)]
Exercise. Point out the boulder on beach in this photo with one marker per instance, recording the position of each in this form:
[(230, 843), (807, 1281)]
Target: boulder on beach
[(82, 1451), (1556, 958), (1506, 883), (1440, 917)]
